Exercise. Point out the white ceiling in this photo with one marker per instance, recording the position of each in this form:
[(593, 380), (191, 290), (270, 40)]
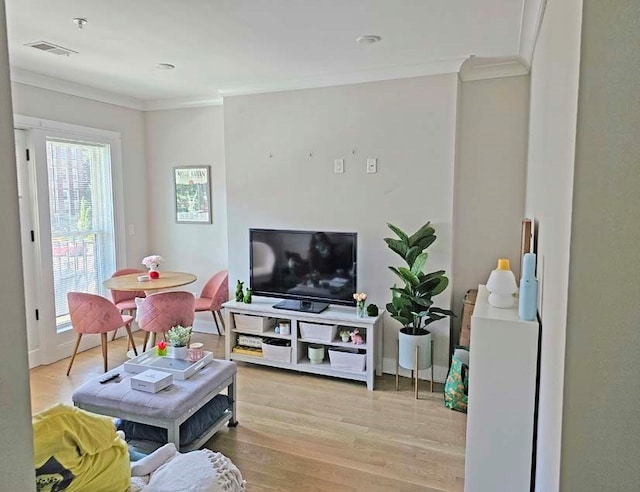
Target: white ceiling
[(226, 47)]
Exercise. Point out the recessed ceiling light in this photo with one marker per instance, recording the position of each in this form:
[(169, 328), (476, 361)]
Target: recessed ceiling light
[(369, 39), (80, 22), (165, 66)]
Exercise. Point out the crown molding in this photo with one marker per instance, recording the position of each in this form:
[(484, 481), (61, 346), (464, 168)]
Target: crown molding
[(329, 80), (53, 84), (181, 103), (532, 15), (481, 68)]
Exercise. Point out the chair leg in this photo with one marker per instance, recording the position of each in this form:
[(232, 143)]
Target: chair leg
[(215, 320), (224, 328), (133, 343), (115, 333), (144, 343), (153, 339), (75, 351), (103, 336)]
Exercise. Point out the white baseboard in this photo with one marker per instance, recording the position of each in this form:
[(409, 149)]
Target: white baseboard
[(439, 372)]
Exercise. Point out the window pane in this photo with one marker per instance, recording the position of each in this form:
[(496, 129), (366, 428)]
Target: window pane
[(81, 208)]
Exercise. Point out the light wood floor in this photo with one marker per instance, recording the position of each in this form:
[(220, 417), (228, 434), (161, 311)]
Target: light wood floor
[(303, 432)]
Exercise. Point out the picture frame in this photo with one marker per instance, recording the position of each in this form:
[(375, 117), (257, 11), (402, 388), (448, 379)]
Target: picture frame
[(192, 194)]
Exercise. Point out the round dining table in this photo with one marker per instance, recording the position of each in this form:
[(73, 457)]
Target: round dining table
[(130, 282), (167, 280)]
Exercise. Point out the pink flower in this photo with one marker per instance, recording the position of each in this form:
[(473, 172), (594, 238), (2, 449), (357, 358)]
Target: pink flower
[(152, 261)]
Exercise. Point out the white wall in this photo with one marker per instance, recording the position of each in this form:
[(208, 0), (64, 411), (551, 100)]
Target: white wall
[(408, 125), (490, 176), (51, 105), (16, 463), (554, 90), (187, 137), (601, 415)]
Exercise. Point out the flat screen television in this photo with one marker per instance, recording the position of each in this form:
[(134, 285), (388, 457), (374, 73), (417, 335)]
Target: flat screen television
[(307, 269)]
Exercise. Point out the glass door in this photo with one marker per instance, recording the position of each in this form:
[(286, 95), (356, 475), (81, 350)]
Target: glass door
[(81, 220), (68, 228)]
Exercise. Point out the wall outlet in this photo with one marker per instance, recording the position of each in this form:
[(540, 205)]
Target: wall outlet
[(372, 166), (338, 166)]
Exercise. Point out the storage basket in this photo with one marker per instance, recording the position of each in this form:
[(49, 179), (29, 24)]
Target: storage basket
[(317, 332), (274, 350), (467, 311), (253, 324), (346, 359)]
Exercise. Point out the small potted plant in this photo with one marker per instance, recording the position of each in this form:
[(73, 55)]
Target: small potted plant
[(345, 335), (179, 337)]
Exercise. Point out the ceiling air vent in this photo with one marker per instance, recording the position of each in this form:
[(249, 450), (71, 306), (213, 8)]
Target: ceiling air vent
[(51, 48)]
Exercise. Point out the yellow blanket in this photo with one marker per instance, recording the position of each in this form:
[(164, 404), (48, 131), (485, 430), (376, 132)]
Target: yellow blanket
[(76, 450)]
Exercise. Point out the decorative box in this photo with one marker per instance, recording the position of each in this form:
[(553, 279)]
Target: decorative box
[(151, 381), (253, 324)]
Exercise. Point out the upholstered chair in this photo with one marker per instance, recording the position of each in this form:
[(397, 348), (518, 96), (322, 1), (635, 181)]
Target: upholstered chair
[(125, 301), (214, 293), (162, 311), (92, 314)]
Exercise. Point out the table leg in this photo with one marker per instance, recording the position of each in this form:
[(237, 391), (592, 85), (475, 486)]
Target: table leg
[(231, 393), (173, 434)]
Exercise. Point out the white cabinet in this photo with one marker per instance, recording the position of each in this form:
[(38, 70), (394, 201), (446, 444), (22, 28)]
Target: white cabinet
[(259, 318), (502, 391)]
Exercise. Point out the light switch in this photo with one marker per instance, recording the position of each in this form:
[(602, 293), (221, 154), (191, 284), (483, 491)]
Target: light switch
[(372, 166), (132, 229), (338, 166)]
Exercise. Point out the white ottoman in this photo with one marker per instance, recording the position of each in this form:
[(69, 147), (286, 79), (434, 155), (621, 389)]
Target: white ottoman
[(168, 408)]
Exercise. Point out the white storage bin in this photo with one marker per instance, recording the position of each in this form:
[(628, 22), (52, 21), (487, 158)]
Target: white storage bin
[(346, 359), (317, 332), (253, 324), (276, 352)]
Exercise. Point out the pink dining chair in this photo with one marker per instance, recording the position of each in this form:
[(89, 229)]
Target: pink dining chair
[(125, 301), (95, 314), (214, 293), (162, 311)]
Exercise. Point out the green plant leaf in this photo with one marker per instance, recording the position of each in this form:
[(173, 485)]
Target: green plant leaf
[(411, 255), (428, 285), (402, 235), (442, 285), (408, 276), (419, 263), (424, 231), (422, 301), (444, 312), (425, 242), (397, 246)]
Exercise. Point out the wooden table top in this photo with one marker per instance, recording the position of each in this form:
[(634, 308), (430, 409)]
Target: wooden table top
[(167, 280)]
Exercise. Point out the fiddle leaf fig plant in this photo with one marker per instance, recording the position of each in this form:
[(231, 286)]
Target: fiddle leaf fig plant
[(412, 303)]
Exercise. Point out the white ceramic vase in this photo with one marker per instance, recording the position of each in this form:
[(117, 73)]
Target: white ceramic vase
[(316, 354), (179, 352), (407, 349)]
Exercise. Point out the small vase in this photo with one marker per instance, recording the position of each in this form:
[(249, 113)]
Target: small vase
[(154, 274), (361, 312), (180, 352)]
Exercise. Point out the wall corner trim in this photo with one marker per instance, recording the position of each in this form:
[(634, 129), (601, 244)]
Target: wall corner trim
[(532, 14), (481, 68)]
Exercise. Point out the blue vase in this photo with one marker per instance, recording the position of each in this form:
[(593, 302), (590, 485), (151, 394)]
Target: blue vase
[(528, 300)]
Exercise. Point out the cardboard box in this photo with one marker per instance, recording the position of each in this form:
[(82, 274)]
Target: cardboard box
[(151, 381)]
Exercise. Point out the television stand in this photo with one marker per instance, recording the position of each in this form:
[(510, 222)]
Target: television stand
[(304, 306), (257, 322)]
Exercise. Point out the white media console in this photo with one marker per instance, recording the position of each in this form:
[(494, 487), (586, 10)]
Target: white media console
[(258, 319)]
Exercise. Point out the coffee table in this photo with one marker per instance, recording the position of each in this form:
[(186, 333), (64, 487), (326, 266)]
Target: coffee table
[(168, 408)]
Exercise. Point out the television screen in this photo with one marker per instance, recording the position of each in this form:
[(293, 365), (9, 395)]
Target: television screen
[(303, 265)]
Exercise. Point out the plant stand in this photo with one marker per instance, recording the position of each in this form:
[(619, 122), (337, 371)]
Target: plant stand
[(414, 370)]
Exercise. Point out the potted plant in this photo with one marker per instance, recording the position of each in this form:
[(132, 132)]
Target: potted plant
[(345, 335), (412, 303), (179, 337)]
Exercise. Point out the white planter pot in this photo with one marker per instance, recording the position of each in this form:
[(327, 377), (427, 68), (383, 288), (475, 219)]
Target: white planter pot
[(316, 354), (179, 352), (407, 350)]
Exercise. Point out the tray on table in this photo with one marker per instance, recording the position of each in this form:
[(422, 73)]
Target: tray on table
[(180, 368)]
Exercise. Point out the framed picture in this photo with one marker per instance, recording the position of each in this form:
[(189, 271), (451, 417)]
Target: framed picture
[(193, 194)]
